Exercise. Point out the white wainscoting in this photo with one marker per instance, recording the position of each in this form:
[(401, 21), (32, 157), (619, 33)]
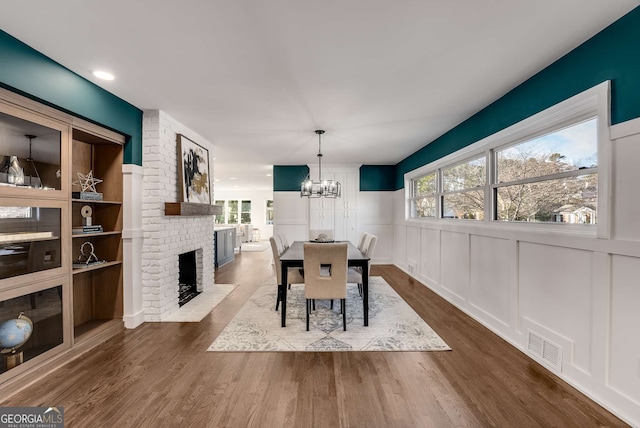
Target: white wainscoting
[(290, 215), (489, 284), (374, 215), (575, 291)]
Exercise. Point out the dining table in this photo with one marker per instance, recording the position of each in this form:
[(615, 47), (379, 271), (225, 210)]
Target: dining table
[(293, 257)]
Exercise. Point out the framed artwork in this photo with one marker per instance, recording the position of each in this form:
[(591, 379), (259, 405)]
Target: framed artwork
[(193, 167)]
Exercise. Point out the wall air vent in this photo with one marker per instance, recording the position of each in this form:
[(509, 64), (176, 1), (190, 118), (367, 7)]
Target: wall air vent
[(545, 350)]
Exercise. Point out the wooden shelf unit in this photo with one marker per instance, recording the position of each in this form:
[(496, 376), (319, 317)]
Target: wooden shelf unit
[(97, 289), (38, 247)]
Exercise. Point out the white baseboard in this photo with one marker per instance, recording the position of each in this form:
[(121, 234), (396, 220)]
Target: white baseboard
[(133, 321)]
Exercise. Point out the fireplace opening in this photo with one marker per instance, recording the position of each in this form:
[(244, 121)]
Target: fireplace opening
[(187, 274)]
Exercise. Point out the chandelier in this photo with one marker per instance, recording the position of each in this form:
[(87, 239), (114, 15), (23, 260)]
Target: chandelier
[(320, 188)]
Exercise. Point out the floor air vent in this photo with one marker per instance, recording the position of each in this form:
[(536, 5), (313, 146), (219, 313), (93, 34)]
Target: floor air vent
[(545, 350)]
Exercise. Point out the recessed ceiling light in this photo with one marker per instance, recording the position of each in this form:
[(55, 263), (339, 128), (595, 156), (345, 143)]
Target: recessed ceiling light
[(268, 175), (103, 75), (233, 178)]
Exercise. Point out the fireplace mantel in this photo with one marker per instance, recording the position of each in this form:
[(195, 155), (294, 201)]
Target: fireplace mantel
[(191, 209)]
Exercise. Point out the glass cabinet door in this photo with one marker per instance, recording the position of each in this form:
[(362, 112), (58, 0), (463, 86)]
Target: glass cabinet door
[(29, 240), (29, 154), (30, 325)]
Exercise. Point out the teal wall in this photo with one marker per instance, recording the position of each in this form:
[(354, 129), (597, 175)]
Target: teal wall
[(288, 178), (613, 54), (26, 71), (374, 178)]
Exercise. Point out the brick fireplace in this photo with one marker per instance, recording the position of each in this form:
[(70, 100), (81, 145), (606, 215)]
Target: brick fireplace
[(165, 237)]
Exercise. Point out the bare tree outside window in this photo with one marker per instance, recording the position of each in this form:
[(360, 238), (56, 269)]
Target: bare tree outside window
[(549, 178), (424, 190), (552, 178), (463, 190)]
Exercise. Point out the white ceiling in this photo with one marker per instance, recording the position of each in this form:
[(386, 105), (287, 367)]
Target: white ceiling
[(256, 78)]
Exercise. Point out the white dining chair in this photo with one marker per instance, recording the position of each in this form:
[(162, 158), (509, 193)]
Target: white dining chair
[(293, 274), (355, 273)]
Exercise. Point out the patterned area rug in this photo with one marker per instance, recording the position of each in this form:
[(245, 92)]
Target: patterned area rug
[(393, 325)]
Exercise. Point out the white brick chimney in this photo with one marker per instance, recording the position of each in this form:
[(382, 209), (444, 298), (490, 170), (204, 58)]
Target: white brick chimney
[(165, 237)]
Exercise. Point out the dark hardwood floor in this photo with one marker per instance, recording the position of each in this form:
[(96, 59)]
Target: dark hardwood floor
[(160, 375)]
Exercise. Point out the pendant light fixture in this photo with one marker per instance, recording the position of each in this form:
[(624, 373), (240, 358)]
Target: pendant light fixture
[(33, 165), (321, 188)]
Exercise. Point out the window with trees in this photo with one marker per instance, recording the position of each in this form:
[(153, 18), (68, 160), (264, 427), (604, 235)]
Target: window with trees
[(463, 189), (424, 195), (219, 218), (232, 212), (551, 178), (269, 219), (245, 215), (550, 168)]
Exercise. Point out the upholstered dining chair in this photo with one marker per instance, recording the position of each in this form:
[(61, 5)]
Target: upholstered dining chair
[(363, 243), (293, 275), (355, 273), (325, 275), (284, 242)]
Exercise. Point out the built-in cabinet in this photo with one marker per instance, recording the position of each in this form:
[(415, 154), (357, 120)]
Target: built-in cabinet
[(224, 243), (44, 156), (339, 214), (97, 286)]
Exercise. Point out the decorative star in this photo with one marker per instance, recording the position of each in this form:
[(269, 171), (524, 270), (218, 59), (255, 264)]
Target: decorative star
[(87, 182)]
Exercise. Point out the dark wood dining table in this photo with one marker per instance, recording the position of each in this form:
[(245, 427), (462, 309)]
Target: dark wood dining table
[(293, 257)]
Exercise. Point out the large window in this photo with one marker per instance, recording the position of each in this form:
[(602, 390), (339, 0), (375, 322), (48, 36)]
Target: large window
[(424, 194), (463, 189), (219, 218), (232, 212), (245, 215), (549, 178), (547, 169)]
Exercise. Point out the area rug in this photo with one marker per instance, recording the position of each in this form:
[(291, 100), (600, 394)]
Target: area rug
[(255, 246), (393, 325), (201, 305)]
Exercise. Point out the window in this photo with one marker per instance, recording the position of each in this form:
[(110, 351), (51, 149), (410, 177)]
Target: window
[(551, 178), (548, 169), (269, 219), (463, 190), (232, 212), (245, 215), (219, 218), (424, 196)]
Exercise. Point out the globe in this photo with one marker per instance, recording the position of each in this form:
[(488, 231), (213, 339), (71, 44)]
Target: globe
[(14, 333)]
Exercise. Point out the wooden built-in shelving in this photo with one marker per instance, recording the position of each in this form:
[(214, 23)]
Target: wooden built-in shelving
[(68, 306), (97, 289)]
